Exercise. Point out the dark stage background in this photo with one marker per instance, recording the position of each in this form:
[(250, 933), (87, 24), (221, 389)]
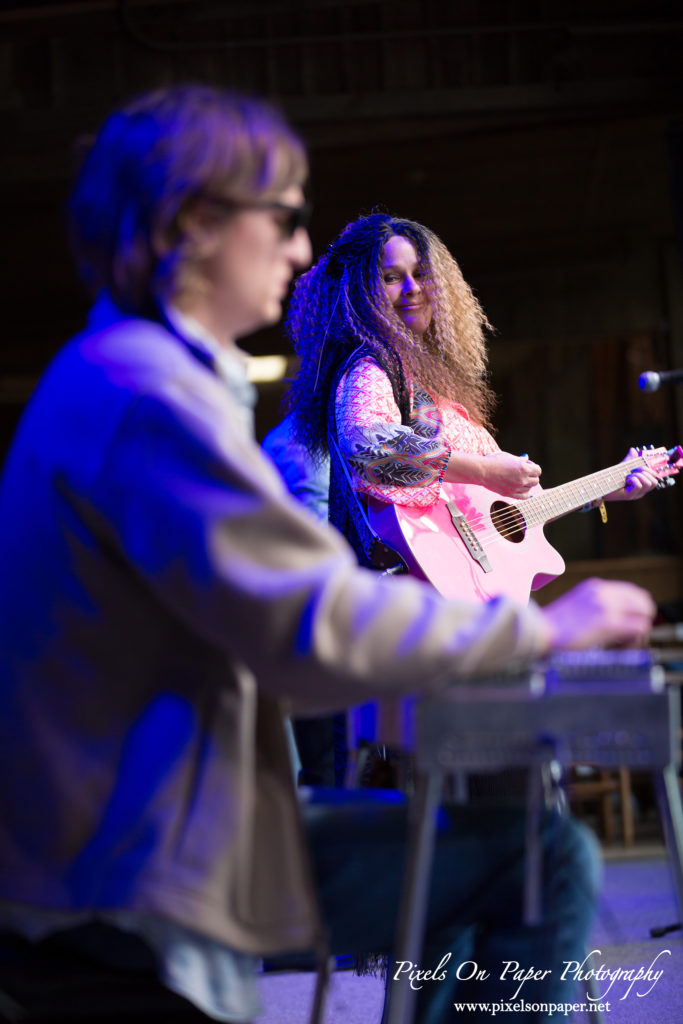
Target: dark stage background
[(542, 139)]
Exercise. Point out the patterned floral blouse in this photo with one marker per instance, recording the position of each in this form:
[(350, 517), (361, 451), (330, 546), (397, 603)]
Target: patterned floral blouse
[(391, 461)]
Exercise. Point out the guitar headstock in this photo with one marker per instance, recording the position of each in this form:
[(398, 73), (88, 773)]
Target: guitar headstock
[(664, 463)]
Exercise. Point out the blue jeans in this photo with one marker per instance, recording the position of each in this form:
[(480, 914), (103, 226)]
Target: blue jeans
[(357, 841)]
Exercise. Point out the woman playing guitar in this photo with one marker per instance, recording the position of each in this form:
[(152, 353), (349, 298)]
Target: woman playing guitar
[(393, 370)]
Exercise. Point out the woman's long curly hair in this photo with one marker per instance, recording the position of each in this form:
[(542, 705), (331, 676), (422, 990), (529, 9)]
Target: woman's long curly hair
[(340, 305)]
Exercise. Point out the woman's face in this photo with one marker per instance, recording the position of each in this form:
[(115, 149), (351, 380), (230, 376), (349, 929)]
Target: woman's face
[(403, 283)]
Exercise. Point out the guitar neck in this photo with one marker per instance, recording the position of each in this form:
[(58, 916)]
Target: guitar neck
[(560, 501)]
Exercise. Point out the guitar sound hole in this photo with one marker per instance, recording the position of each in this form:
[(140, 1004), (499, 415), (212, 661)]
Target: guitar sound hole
[(509, 521)]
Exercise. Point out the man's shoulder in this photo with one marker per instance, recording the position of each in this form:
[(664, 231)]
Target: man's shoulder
[(129, 355), (133, 343)]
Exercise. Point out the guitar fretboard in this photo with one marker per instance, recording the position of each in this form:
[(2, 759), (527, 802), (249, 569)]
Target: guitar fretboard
[(559, 501)]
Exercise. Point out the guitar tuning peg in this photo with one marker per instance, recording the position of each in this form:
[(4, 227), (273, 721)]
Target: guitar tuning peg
[(670, 481)]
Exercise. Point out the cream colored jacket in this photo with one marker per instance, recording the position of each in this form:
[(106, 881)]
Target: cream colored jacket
[(163, 602)]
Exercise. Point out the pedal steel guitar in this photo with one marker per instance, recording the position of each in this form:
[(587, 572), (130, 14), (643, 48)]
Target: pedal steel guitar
[(606, 708)]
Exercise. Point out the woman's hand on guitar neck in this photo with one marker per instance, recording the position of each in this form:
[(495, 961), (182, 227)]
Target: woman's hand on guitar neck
[(513, 476), (599, 613), (639, 482)]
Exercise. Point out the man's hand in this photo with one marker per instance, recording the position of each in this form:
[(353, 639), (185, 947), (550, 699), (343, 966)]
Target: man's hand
[(600, 613)]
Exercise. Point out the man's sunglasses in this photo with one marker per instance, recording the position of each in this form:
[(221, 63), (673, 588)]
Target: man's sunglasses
[(290, 218)]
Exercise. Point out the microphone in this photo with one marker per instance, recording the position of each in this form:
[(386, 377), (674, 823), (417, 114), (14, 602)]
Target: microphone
[(651, 381)]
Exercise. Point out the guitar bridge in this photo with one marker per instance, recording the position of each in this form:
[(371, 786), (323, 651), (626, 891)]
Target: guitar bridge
[(467, 534)]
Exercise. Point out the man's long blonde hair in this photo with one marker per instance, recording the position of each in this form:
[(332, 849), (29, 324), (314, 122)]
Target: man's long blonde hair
[(150, 172)]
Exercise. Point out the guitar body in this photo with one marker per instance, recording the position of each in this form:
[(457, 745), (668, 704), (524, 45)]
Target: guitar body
[(515, 559), (474, 544)]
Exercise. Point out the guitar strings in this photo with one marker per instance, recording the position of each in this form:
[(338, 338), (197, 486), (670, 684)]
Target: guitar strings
[(513, 515), (507, 521), (511, 519)]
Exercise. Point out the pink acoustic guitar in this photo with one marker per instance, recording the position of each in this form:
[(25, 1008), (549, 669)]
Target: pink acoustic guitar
[(474, 544)]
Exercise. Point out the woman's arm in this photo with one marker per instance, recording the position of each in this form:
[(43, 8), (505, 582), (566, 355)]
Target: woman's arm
[(391, 461), (511, 475), (406, 464)]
